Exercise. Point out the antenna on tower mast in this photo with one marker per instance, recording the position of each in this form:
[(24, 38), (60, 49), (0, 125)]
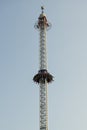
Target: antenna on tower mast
[(42, 8)]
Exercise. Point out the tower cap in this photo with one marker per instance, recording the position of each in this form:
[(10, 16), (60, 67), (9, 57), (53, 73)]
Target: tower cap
[(42, 8), (42, 14)]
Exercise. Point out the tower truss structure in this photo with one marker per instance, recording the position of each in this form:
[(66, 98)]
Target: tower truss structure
[(43, 77)]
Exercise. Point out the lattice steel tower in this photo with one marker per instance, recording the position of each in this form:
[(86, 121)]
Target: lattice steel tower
[(43, 77)]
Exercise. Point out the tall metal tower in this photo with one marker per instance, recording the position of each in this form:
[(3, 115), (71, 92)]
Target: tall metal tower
[(43, 77)]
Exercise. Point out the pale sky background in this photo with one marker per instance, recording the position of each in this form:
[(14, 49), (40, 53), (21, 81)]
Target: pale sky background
[(67, 61)]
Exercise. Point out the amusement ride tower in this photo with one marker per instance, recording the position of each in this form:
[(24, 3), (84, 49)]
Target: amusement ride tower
[(43, 77)]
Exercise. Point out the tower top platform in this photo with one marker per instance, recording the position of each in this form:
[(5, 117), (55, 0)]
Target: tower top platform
[(42, 22)]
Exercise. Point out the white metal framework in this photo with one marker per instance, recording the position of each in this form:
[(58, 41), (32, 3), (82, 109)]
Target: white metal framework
[(43, 86), (43, 77)]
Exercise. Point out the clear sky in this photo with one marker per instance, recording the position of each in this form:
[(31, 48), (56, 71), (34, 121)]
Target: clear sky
[(67, 61)]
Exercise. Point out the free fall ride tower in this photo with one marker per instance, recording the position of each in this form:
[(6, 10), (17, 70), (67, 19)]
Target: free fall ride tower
[(43, 77)]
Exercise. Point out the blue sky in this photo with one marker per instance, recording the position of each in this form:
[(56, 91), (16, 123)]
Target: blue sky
[(67, 61)]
